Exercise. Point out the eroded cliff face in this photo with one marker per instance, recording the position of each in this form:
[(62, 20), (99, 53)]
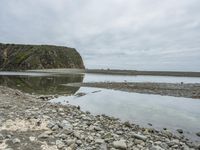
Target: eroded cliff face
[(26, 57)]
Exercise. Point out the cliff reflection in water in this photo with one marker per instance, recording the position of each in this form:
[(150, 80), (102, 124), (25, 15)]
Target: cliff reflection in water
[(45, 85)]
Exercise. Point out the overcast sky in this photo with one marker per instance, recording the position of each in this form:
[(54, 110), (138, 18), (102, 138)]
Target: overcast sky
[(126, 34)]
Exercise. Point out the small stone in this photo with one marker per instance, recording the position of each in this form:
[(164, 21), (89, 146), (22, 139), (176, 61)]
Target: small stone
[(16, 141), (54, 111), (68, 148), (175, 146), (179, 131), (8, 136), (97, 128), (127, 124), (198, 134), (103, 146), (121, 144), (78, 142), (59, 144), (55, 127), (66, 125), (150, 124), (80, 94), (164, 146), (119, 132), (63, 136), (70, 142), (173, 142), (1, 137), (166, 133), (43, 136), (185, 147), (136, 141), (156, 148), (99, 141), (91, 128), (86, 118), (77, 134), (32, 139), (51, 125), (60, 109), (140, 137)]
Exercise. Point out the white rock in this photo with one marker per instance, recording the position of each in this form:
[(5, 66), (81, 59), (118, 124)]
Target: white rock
[(66, 125), (156, 148), (60, 109), (77, 134), (16, 141), (99, 141), (140, 137), (121, 144), (31, 138), (43, 135), (59, 144)]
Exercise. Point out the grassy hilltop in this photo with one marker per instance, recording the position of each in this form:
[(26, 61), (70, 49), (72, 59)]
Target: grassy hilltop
[(24, 57)]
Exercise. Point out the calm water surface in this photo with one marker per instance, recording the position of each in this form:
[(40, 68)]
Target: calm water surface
[(161, 111)]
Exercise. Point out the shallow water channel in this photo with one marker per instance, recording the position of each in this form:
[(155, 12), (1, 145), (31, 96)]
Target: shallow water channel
[(161, 111)]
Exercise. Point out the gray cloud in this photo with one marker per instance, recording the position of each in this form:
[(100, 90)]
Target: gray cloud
[(128, 34)]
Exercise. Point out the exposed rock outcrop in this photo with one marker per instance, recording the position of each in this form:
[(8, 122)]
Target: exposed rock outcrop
[(24, 57)]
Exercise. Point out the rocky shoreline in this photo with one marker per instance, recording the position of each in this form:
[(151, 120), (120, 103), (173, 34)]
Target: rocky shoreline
[(31, 122), (140, 72), (188, 90)]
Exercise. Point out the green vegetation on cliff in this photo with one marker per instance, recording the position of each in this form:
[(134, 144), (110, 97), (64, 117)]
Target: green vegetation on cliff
[(24, 57)]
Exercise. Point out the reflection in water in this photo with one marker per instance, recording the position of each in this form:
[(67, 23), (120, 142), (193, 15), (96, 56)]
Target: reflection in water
[(161, 111), (45, 85)]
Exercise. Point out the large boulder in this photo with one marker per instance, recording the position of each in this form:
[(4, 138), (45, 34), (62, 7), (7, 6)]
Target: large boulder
[(26, 57)]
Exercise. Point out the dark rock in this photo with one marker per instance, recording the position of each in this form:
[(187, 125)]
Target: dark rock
[(150, 124), (80, 94), (198, 134), (179, 131), (127, 124)]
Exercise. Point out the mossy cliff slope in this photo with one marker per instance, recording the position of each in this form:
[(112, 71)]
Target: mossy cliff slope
[(23, 57)]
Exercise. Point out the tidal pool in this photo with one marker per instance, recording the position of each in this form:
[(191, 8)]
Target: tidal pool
[(161, 111)]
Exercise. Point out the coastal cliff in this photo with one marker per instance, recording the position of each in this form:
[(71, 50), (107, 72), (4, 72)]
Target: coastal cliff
[(27, 57)]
